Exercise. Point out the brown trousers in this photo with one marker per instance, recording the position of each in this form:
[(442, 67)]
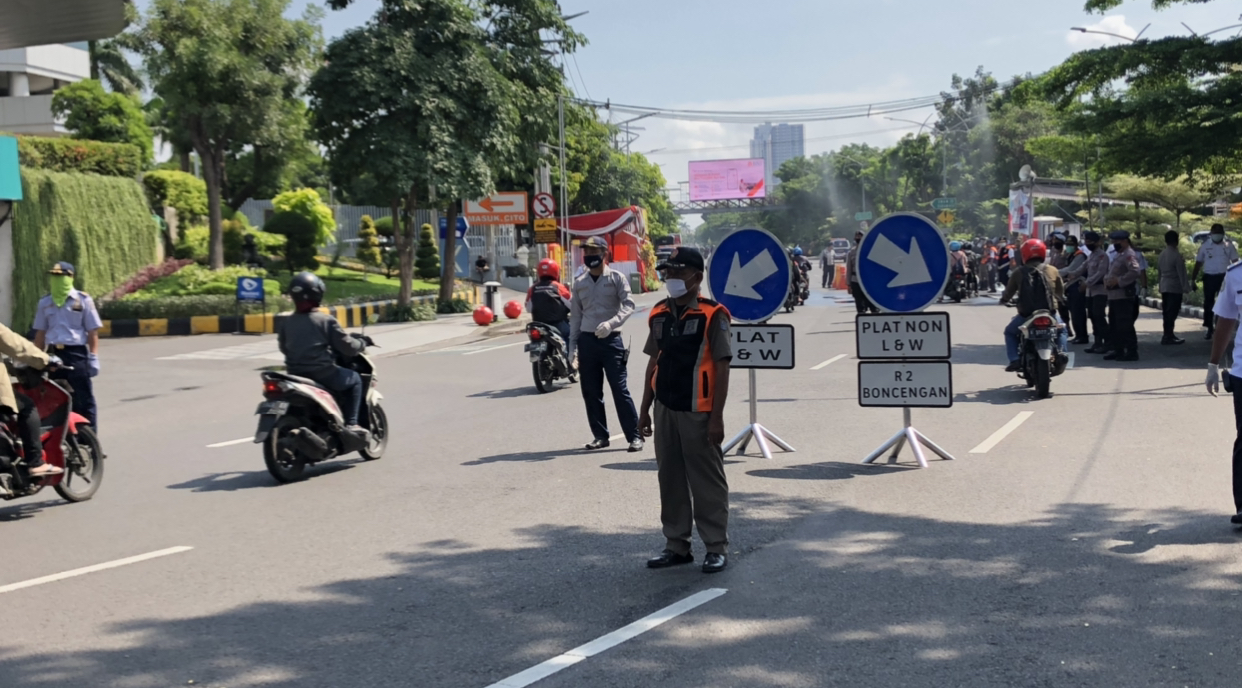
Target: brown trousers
[(693, 489)]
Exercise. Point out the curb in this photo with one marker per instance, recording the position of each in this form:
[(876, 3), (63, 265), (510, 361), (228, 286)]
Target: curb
[(1187, 311), (353, 315)]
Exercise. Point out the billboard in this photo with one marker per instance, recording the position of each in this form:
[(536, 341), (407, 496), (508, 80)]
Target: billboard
[(1021, 211), (723, 180)]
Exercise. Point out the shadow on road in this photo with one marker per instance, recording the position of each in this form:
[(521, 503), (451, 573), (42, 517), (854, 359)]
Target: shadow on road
[(233, 481), (525, 391), (25, 509), (830, 470), (542, 455)]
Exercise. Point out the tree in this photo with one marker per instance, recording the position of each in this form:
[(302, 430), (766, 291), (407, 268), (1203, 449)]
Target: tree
[(308, 204), (299, 232), (92, 113), (229, 73), (285, 161), (109, 63), (428, 258), (368, 251)]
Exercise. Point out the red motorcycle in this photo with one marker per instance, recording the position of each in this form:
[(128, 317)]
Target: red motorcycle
[(68, 443)]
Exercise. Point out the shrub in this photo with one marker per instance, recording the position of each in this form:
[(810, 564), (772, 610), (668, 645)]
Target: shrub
[(300, 239), (426, 257), (185, 307), (384, 226), (454, 306), (176, 189), (196, 280), (192, 244), (234, 239), (414, 312), (307, 204), (267, 242), (146, 276), (368, 251), (74, 155)]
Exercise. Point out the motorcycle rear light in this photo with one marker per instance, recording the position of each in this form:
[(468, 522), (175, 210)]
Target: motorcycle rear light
[(1043, 322), (536, 335), (272, 388)]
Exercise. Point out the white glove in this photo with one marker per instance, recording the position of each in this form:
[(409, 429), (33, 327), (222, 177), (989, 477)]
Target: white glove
[(1213, 379), (603, 330)]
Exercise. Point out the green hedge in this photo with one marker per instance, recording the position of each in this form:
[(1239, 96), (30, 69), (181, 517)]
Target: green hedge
[(73, 155), (185, 307), (176, 189), (100, 224)]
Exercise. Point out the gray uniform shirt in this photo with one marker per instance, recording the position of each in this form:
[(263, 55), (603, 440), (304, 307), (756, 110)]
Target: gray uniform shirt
[(1172, 266), (1125, 269), (1097, 270), (308, 339), (599, 300)]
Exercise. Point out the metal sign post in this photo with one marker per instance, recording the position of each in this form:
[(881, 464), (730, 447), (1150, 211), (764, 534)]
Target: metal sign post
[(760, 434), (903, 267), (760, 346)]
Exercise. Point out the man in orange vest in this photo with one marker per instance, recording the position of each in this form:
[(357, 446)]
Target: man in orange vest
[(687, 378), (988, 264)]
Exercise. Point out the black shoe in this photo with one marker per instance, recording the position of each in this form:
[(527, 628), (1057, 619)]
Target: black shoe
[(1169, 341), (1236, 519), (1210, 334), (1114, 356), (636, 445), (597, 444), (1013, 367), (1080, 340), (669, 558), (1097, 349), (1133, 356), (714, 562)]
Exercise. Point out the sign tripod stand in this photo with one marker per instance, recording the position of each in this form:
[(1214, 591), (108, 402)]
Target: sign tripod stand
[(914, 437), (760, 434)]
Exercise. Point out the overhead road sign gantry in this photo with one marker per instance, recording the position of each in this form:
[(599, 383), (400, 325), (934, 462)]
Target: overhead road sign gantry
[(903, 263)]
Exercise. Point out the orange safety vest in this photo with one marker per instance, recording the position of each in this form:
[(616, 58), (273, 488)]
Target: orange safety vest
[(685, 364)]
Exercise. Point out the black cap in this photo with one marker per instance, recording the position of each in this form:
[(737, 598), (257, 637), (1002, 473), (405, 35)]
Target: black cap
[(1090, 236), (683, 257), (62, 268), (1119, 235)]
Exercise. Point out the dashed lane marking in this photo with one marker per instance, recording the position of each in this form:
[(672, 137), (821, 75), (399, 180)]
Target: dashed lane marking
[(1001, 434), (93, 569), (829, 362)]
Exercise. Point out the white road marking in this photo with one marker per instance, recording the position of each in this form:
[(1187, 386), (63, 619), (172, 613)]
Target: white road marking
[(502, 346), (606, 642), (829, 362), (1001, 434), (230, 443), (614, 438), (93, 569)]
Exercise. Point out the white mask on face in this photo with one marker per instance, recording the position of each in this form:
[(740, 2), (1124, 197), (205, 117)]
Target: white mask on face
[(676, 288)]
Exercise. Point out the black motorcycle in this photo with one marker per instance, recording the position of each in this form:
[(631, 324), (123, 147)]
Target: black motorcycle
[(1039, 350), (548, 356), (956, 289)]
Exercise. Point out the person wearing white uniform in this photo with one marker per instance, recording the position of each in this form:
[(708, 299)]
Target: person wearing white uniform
[(1227, 310), (1215, 256)]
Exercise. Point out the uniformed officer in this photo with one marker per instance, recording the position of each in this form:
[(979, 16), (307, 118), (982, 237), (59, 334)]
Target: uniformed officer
[(67, 324), (861, 303), (1122, 283), (688, 380), (1215, 256), (1227, 312)]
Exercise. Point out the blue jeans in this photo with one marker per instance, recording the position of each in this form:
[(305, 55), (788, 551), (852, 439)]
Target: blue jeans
[(346, 386), (1011, 337)]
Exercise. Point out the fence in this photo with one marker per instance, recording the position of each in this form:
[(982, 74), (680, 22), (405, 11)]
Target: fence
[(348, 219)]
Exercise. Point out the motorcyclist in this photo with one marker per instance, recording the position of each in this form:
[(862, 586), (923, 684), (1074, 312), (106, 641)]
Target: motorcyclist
[(972, 267), (548, 302), (804, 268), (24, 351), (308, 340), (960, 263), (1034, 252)]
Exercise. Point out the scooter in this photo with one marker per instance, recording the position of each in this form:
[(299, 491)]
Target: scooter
[(1039, 350), (301, 424), (69, 442), (956, 288), (791, 299), (548, 356)]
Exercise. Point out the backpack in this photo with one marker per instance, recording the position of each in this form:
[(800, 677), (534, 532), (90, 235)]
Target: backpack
[(1034, 294)]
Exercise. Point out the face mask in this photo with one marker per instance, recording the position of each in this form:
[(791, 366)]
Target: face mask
[(1217, 238), (1119, 248), (61, 286), (1071, 249), (676, 288), (1092, 247), (592, 261), (1059, 247)]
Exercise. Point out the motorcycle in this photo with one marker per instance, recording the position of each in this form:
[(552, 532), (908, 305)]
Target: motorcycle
[(956, 289), (548, 356), (805, 293), (1039, 350), (791, 299), (69, 442), (301, 424)]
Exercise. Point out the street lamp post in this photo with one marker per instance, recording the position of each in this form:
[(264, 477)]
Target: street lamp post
[(1135, 39)]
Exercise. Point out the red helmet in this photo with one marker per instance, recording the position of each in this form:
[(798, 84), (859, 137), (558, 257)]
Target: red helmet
[(1034, 249), (549, 268)]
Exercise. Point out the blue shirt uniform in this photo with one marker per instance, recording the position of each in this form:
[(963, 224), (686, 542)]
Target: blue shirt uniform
[(70, 324)]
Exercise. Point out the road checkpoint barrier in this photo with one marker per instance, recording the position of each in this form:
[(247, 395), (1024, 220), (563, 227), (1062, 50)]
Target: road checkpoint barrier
[(749, 274), (903, 266), (838, 277)]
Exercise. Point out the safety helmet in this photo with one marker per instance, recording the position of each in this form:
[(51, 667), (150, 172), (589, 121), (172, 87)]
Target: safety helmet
[(955, 245), (798, 251), (306, 287), (1034, 249), (549, 268)]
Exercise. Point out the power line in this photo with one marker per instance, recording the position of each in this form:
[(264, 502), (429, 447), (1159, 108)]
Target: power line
[(817, 138), (580, 77)]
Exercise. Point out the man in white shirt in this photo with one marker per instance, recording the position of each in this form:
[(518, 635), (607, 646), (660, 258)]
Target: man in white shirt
[(1226, 311), (1215, 256)]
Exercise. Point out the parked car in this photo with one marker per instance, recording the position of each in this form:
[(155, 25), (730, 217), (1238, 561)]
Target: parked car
[(840, 247)]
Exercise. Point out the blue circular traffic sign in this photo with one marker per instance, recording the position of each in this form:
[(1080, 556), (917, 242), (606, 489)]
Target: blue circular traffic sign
[(903, 263), (749, 274)]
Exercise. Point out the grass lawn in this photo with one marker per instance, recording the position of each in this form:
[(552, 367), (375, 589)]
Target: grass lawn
[(343, 284)]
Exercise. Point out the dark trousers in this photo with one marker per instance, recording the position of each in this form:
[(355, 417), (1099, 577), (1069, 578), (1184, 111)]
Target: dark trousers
[(1099, 320), (1138, 304), (1171, 305), (79, 379), (597, 359), (1124, 339), (861, 303), (1211, 287), (824, 278), (1077, 310), (1237, 444), (29, 429), (346, 387)]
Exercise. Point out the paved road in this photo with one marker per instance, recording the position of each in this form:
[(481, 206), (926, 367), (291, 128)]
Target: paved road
[(1087, 547)]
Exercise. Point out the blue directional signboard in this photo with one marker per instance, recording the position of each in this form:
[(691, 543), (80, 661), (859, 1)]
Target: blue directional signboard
[(462, 226), (749, 274), (250, 289), (903, 263)]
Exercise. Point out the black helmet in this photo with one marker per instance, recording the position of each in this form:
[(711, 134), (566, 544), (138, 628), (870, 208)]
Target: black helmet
[(306, 286)]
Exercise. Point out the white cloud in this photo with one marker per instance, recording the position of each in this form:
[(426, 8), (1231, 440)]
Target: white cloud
[(1112, 24)]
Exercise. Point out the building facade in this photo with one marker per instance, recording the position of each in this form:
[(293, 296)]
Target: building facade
[(776, 143), (29, 76)]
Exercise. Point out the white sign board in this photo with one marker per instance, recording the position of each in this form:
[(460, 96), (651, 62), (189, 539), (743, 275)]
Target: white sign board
[(913, 384), (504, 208), (544, 205), (763, 346), (904, 336)]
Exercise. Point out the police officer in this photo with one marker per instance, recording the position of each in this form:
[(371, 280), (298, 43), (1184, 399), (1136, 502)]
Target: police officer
[(1215, 256), (861, 303), (67, 324), (1226, 311), (688, 379), (1122, 283)]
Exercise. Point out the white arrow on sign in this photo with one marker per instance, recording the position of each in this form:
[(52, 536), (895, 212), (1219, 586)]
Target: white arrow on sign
[(742, 280), (909, 266), (249, 284)]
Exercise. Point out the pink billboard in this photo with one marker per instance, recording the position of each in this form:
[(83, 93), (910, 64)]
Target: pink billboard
[(723, 180)]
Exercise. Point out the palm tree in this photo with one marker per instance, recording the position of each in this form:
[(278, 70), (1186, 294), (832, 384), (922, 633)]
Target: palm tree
[(110, 66)]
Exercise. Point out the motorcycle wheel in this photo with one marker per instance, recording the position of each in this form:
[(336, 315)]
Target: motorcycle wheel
[(284, 464), (542, 372), (379, 434), (1043, 378), (83, 467)]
